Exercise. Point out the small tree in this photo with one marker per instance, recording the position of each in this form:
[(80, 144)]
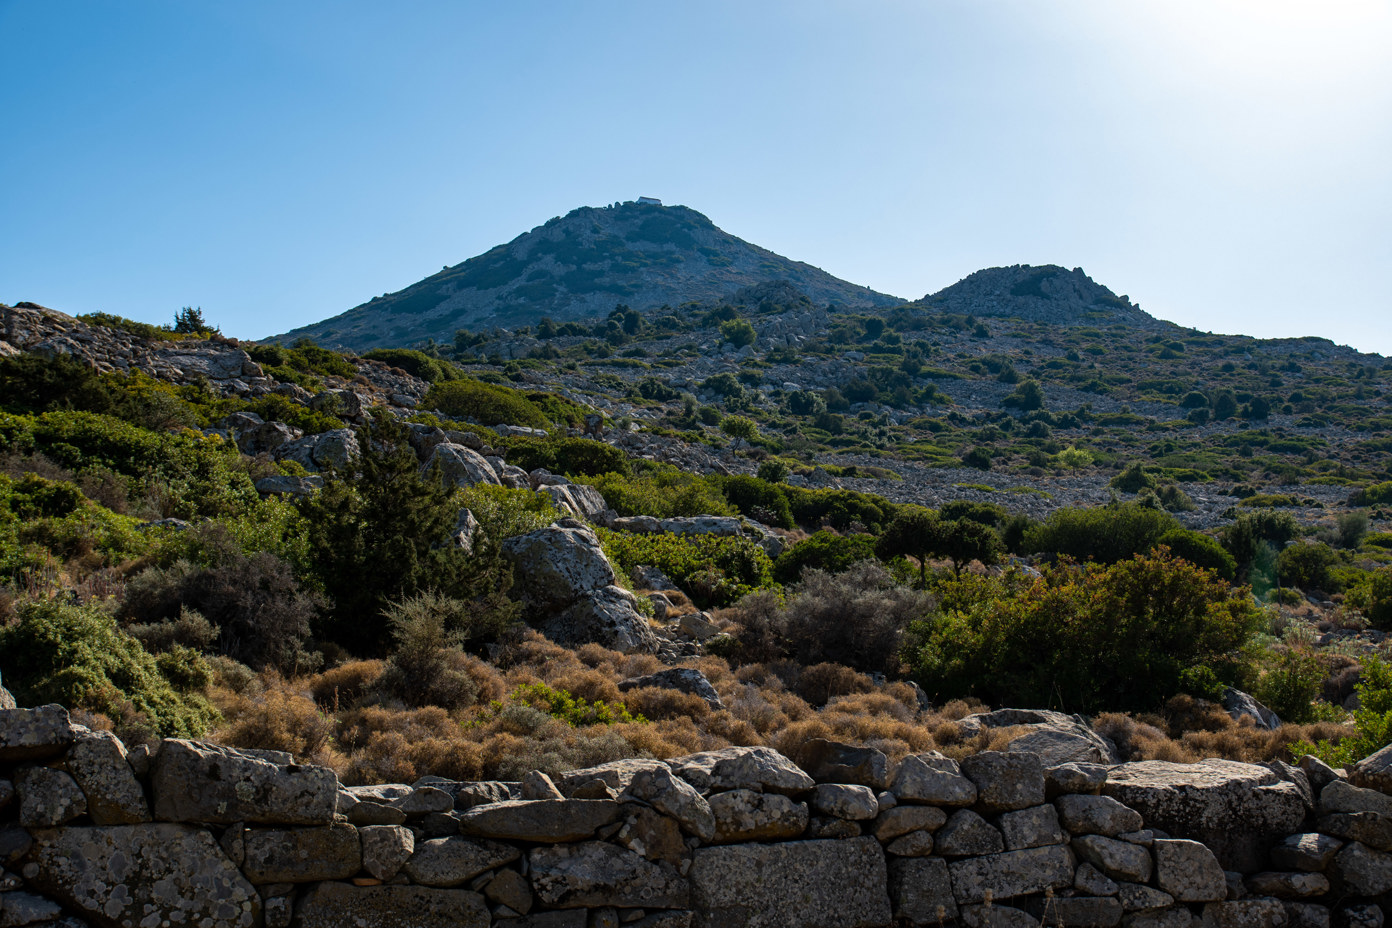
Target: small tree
[(190, 321), (913, 533), (740, 427), (1026, 397), (965, 540), (738, 332)]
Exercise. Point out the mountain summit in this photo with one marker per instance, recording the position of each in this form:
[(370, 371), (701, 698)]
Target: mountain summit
[(578, 267), (1039, 293)]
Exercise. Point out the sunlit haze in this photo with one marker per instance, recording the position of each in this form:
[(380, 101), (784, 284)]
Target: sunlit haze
[(1225, 163)]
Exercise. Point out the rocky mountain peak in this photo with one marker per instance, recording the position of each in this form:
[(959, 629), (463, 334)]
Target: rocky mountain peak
[(1039, 293)]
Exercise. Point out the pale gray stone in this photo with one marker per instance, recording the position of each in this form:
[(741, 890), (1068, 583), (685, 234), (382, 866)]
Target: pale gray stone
[(932, 779), (1096, 815), (1341, 796), (836, 762), (1088, 879), (47, 797), (422, 801), (1137, 897), (913, 844), (385, 849), (683, 679), (510, 888), (199, 782), (1374, 771), (142, 874), (1118, 859), (755, 768), (1082, 779), (595, 873), (1013, 873), (34, 734), (537, 785), (744, 815), (1032, 827), (1370, 828), (1309, 851), (97, 761), (1005, 781), (340, 905), (996, 916), (1188, 871), (1245, 913), (1362, 870), (811, 884), (673, 796), (967, 834), (541, 821), (900, 820), (920, 891), (1288, 885), (301, 855), (447, 862), (854, 803)]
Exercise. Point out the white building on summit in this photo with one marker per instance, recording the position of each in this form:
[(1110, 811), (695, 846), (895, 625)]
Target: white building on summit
[(649, 201)]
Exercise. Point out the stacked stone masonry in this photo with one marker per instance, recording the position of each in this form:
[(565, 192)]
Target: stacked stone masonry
[(192, 834)]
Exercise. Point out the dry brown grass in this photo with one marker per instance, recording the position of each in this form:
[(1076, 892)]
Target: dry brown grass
[(343, 686), (280, 720)]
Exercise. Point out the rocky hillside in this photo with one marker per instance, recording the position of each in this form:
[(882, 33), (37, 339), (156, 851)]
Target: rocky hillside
[(1047, 293), (578, 267)]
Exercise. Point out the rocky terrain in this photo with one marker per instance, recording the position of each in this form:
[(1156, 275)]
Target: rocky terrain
[(577, 267)]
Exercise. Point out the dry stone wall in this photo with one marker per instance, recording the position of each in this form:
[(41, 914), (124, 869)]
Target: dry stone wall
[(193, 834)]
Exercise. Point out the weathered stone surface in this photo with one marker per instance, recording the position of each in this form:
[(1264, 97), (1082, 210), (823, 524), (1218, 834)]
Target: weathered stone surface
[(1242, 705), (996, 916), (1362, 870), (1120, 860), (1288, 885), (563, 918), (20, 909), (7, 700), (1374, 771), (617, 774), (340, 905), (1080, 912), (920, 891), (853, 803), (1245, 913), (932, 779), (34, 734), (14, 844), (1083, 779), (1317, 772), (1137, 897), (744, 815), (539, 820), (968, 834), (673, 796), (458, 466), (576, 499), (1368, 827), (596, 873), (1088, 879), (97, 761), (1188, 871), (198, 782), (1309, 851), (451, 861), (1177, 917), (373, 813), (683, 679), (1032, 827), (331, 450), (385, 849), (913, 844), (900, 820), (557, 565), (1341, 796), (423, 800), (836, 762), (1236, 809), (1005, 782), (301, 855), (537, 785), (756, 768), (1096, 815), (650, 833), (510, 888), (822, 826), (1360, 915), (47, 797), (1293, 775), (811, 884), (1306, 915), (607, 616), (1014, 873), (129, 875)]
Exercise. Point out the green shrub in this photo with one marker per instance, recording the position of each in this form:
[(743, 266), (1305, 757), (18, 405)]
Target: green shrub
[(303, 357), (1290, 683), (1373, 597), (838, 508), (1105, 534), (278, 408), (575, 711), (661, 491), (1372, 720), (1201, 550), (78, 657), (1309, 567), (1133, 479), (713, 571), (1373, 495), (490, 404), (582, 457), (826, 551), (416, 363), (757, 498), (985, 513), (1122, 637), (502, 512)]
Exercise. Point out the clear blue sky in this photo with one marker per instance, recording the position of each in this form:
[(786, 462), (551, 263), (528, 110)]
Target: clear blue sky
[(1226, 163)]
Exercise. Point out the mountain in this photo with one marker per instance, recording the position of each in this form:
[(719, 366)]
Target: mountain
[(1044, 293), (579, 267)]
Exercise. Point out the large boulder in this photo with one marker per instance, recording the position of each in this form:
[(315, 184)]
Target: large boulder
[(744, 815), (932, 779), (336, 905), (673, 796), (458, 466), (608, 616), (1005, 781), (836, 762), (578, 500), (34, 734), (128, 875), (558, 565), (1240, 705), (97, 761), (920, 891), (721, 526), (540, 821), (335, 449), (1374, 771), (198, 782), (1055, 737), (811, 884), (452, 861), (299, 855), (1014, 873), (599, 874), (754, 768), (1236, 809)]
